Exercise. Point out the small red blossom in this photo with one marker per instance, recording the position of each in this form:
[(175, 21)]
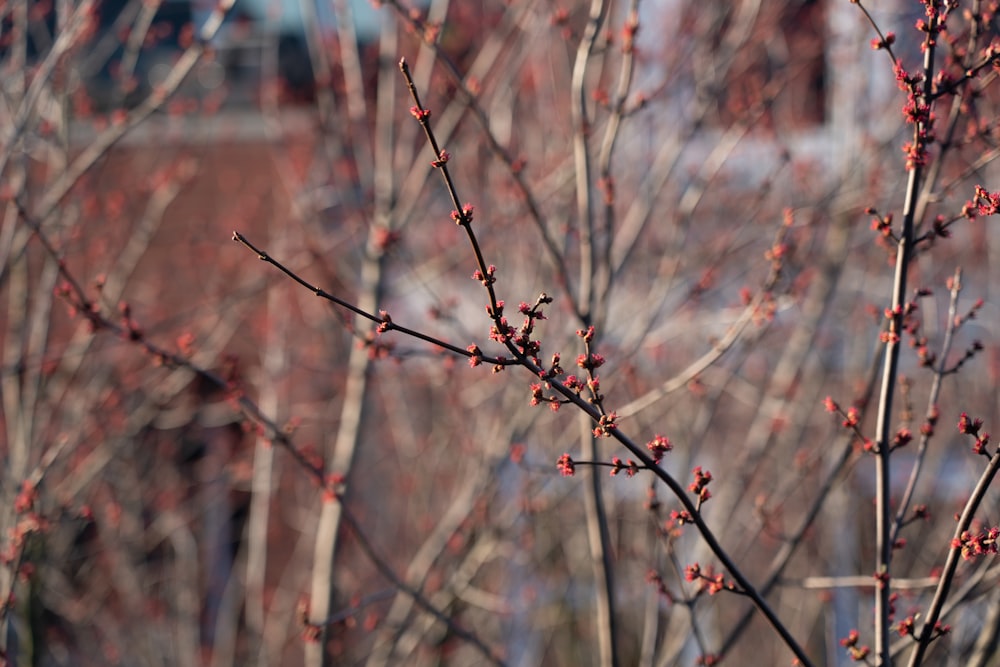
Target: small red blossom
[(916, 154), (555, 369), (536, 394), (386, 322), (980, 445), (916, 112), (677, 519), (974, 545), (489, 278), (987, 203), (903, 78), (710, 581), (659, 446), (969, 426), (682, 516), (630, 467), (850, 642), (501, 332), (969, 210), (716, 584), (606, 424), (699, 486), (590, 361), (776, 253), (878, 43), (883, 225), (566, 466)]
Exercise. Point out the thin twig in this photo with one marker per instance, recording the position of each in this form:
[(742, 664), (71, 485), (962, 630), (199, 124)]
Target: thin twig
[(514, 166), (893, 340), (384, 321), (932, 401), (951, 564)]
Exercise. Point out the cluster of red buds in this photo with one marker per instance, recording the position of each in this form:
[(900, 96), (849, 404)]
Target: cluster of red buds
[(566, 466), (977, 544), (699, 486), (710, 581), (972, 427), (630, 467), (857, 653)]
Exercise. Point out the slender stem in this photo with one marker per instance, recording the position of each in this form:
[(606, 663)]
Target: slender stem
[(599, 539), (384, 322), (904, 250), (947, 576), (604, 164), (514, 166), (883, 519), (932, 399), (581, 157), (596, 514)]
